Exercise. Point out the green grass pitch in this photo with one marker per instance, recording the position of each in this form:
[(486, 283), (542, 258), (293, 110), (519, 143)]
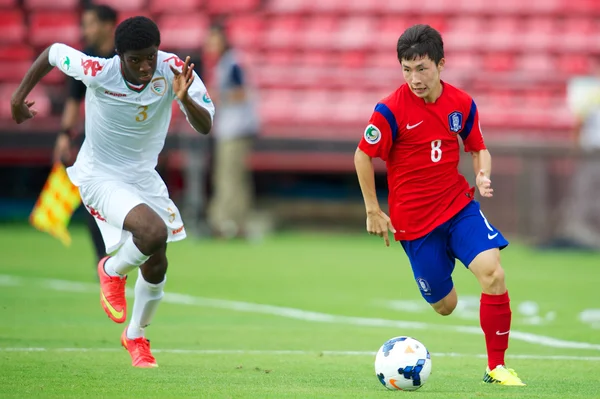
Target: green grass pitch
[(297, 316)]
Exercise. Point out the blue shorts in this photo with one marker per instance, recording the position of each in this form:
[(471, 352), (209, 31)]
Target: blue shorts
[(463, 237)]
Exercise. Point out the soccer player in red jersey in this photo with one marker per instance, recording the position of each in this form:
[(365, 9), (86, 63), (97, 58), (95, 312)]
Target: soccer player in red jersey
[(433, 212)]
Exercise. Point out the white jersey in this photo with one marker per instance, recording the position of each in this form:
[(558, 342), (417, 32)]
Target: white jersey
[(125, 125)]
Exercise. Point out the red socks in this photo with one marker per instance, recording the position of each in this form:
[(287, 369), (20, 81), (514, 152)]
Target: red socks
[(494, 317)]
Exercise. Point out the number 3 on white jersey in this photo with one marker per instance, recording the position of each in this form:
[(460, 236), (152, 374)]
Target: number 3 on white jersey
[(436, 150)]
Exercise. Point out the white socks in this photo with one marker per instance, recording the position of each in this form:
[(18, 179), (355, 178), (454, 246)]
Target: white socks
[(127, 258), (147, 298)]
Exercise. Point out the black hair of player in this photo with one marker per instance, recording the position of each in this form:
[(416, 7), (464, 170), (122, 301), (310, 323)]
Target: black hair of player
[(104, 13), (136, 33), (420, 41)]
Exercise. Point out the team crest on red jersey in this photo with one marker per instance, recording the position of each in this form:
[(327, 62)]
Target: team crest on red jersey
[(455, 121)]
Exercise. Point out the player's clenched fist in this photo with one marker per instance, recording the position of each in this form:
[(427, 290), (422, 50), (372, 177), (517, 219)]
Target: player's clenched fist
[(378, 223), (21, 110), (484, 184)]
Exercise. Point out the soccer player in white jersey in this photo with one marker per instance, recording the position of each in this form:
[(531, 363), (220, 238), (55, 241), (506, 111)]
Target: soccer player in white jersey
[(128, 111)]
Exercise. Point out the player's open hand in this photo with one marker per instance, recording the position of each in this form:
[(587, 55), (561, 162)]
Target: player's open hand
[(21, 111), (183, 80), (378, 223), (484, 184)]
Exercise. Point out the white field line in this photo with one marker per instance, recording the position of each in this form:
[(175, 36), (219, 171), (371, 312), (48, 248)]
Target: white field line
[(292, 352), (299, 314)]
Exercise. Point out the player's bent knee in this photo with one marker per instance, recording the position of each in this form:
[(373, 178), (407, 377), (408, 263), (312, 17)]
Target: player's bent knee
[(446, 306)]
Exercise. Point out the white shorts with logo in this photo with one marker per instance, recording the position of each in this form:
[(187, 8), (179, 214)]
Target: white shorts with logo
[(109, 201)]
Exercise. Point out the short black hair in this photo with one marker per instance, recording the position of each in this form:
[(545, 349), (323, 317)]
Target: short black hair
[(104, 13), (420, 41), (136, 33)]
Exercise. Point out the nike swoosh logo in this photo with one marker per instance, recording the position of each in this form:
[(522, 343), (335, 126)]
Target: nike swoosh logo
[(413, 126), (113, 311), (492, 236), (502, 333)]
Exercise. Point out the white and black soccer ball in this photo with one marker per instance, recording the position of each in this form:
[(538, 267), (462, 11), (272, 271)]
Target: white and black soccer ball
[(403, 363)]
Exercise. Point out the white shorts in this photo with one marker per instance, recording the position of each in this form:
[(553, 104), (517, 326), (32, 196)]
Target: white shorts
[(110, 202)]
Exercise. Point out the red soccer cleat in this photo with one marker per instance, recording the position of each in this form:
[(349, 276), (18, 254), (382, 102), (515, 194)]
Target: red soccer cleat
[(139, 349), (112, 294)]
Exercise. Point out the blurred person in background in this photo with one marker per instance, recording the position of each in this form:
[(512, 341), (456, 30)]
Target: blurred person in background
[(98, 24), (236, 125), (580, 224)]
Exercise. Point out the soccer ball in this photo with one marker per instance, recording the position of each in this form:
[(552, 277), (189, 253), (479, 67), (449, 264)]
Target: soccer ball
[(403, 363)]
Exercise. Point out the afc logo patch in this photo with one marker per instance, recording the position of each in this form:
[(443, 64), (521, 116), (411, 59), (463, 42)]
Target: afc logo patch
[(455, 121), (424, 286)]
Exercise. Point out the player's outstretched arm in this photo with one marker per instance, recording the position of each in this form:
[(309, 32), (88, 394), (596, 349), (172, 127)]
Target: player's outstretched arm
[(198, 116), (20, 106), (378, 223), (482, 165)]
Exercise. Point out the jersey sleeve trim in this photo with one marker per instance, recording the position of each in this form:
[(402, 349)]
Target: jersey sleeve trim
[(470, 120), (389, 117)]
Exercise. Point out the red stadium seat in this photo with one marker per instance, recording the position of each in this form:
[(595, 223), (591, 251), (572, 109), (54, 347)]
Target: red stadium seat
[(123, 15), (49, 5), (286, 6), (16, 52), (389, 29), (13, 71), (52, 27), (539, 33), (500, 33), (320, 32), (283, 32), (245, 31), (231, 6), (120, 5), (38, 94), (183, 31), (355, 33), (160, 6), (12, 26), (498, 62), (465, 33), (15, 61), (5, 4), (574, 64)]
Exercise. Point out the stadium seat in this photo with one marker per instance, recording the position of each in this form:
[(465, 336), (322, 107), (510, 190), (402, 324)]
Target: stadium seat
[(123, 15), (389, 28), (465, 33), (16, 52), (13, 71), (539, 33), (12, 26), (38, 94), (120, 5), (183, 31), (231, 6), (355, 33), (180, 6), (320, 32), (286, 6), (574, 64), (8, 4), (50, 27), (15, 61), (245, 31), (501, 33), (50, 5), (283, 32)]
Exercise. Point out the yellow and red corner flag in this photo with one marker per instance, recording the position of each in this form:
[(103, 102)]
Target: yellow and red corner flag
[(55, 206)]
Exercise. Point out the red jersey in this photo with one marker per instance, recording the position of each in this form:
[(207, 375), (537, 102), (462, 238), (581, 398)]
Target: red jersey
[(419, 143)]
